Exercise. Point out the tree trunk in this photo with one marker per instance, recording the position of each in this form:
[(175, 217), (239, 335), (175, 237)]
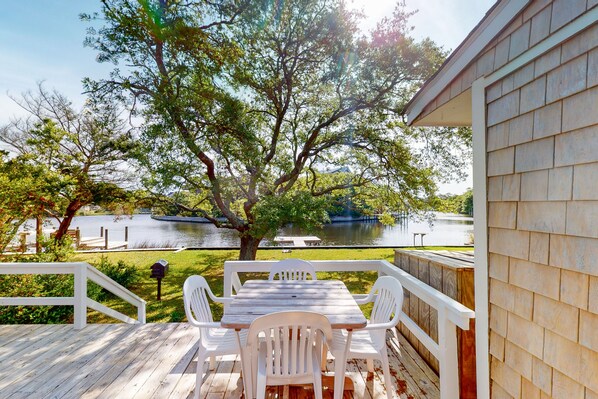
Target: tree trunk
[(71, 210), (38, 233), (249, 246)]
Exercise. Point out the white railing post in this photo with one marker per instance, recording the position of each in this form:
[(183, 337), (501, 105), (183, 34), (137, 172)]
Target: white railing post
[(449, 364), (228, 280), (80, 288), (141, 313), (228, 283)]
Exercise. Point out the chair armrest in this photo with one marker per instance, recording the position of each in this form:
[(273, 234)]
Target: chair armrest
[(196, 323), (219, 299), (361, 299), (223, 300), (380, 326)]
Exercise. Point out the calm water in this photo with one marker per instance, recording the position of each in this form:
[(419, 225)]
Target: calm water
[(143, 230)]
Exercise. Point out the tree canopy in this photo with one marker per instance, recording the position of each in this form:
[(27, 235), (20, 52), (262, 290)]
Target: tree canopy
[(248, 105), (79, 155)]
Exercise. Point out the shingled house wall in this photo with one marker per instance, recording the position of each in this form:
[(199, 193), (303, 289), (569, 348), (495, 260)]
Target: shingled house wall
[(542, 191), (542, 144)]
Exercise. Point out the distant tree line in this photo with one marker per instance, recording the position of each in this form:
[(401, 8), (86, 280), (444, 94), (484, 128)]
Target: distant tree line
[(456, 203)]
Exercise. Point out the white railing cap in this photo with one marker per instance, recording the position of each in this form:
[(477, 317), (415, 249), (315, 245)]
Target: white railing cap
[(44, 264), (112, 285), (456, 312)]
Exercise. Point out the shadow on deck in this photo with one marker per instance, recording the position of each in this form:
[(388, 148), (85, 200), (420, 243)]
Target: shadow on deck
[(158, 361)]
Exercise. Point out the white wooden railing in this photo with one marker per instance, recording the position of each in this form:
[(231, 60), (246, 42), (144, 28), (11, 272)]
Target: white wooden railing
[(82, 272), (451, 314)]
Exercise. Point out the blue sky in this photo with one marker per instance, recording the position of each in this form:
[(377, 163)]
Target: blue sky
[(43, 40)]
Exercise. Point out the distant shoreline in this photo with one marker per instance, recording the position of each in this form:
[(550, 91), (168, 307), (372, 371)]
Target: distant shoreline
[(196, 219)]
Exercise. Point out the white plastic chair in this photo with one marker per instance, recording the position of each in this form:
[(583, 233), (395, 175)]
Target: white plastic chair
[(213, 340), (370, 342), (285, 349), (292, 269)]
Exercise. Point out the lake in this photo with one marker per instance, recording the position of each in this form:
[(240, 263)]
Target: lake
[(147, 232)]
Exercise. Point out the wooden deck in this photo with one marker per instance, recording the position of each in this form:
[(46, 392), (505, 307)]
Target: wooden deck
[(158, 361)]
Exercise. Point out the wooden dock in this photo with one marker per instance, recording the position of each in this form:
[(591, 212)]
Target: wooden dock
[(158, 361), (100, 243), (297, 241)]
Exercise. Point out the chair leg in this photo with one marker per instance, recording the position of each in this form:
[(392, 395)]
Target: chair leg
[(370, 363), (339, 377), (261, 388), (261, 374), (201, 358), (317, 375), (386, 371), (317, 385), (212, 362), (340, 365)]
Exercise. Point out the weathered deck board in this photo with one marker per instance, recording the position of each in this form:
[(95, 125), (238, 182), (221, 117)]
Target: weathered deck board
[(158, 361)]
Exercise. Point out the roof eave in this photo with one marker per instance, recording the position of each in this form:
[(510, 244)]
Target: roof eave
[(495, 20)]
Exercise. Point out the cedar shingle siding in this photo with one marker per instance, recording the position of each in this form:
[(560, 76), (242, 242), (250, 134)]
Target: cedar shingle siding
[(542, 146), (542, 166)]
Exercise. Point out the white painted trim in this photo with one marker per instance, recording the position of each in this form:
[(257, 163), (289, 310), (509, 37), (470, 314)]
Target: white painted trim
[(480, 232), (421, 335), (448, 360), (80, 289), (108, 284), (464, 55), (110, 312), (37, 301)]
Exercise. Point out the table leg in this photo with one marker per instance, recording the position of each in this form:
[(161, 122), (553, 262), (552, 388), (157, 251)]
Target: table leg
[(340, 369)]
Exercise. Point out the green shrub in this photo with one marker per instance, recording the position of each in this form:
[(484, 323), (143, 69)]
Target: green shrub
[(121, 272), (38, 285), (53, 251), (56, 285)]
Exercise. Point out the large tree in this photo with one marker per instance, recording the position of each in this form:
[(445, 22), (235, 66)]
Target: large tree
[(249, 105), (84, 151)]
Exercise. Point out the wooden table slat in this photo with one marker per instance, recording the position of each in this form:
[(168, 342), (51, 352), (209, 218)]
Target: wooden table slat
[(260, 297), (303, 301), (289, 307)]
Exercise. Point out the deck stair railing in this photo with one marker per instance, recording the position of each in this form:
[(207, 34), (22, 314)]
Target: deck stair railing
[(82, 273), (451, 314)]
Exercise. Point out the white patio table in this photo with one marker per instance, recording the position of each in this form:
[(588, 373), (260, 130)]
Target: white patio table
[(260, 297)]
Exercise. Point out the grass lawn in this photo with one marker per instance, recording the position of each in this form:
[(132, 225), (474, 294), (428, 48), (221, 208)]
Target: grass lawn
[(210, 264)]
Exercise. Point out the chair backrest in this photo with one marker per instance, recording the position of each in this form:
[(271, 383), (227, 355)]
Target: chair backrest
[(236, 282), (389, 300), (292, 269), (195, 299), (290, 339)]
